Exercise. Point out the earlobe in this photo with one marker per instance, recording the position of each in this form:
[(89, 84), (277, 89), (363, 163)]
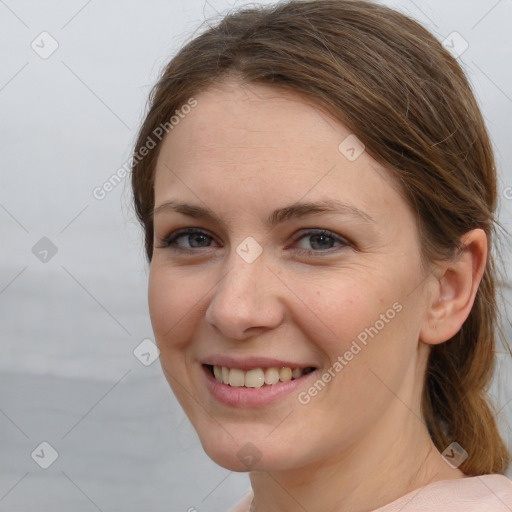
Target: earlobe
[(455, 289)]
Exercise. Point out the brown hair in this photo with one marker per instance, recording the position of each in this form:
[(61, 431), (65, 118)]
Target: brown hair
[(406, 98)]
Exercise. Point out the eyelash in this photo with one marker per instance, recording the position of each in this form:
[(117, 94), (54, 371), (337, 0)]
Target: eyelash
[(170, 241)]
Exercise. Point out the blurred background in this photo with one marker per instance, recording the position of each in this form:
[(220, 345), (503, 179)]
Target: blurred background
[(78, 371)]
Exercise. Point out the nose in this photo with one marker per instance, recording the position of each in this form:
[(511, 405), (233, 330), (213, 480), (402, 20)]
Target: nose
[(246, 301)]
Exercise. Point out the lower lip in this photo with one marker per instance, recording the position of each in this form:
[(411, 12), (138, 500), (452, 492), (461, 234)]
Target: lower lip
[(251, 397)]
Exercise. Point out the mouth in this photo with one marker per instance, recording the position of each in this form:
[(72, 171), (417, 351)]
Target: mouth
[(254, 387), (256, 377)]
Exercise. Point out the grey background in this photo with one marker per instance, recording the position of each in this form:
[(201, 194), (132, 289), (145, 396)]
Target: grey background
[(69, 324)]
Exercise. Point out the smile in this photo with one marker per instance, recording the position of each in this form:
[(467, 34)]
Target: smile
[(255, 387), (257, 377)]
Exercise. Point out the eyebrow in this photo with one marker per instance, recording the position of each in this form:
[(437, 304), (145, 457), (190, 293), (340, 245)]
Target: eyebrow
[(278, 216)]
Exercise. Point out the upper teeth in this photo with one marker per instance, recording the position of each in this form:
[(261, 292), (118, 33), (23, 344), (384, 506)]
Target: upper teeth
[(257, 377)]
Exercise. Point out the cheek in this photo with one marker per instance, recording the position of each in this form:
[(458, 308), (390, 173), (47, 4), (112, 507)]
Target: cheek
[(172, 308), (364, 319), (172, 305), (338, 309)]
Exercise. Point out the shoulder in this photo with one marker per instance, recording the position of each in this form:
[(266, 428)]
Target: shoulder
[(245, 504), (486, 493)]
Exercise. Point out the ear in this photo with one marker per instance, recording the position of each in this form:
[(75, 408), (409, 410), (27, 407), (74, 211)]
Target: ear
[(455, 289)]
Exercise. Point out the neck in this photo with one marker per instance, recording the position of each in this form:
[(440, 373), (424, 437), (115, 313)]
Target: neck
[(370, 474)]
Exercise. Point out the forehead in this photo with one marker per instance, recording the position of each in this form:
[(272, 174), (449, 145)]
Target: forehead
[(256, 142), (252, 121)]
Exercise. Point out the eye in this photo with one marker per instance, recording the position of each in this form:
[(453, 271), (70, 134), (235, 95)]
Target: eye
[(188, 240), (320, 240)]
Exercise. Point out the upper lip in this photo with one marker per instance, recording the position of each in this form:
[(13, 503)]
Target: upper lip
[(250, 363)]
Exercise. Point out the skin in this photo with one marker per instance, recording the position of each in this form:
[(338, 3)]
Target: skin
[(361, 443)]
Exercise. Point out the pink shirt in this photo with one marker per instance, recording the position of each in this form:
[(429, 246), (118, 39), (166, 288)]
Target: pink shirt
[(487, 493)]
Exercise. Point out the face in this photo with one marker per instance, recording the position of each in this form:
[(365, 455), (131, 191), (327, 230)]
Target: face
[(247, 274)]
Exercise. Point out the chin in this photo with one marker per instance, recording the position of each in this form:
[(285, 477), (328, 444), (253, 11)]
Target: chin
[(243, 455)]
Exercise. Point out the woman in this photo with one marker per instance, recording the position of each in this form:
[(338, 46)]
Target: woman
[(317, 190)]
